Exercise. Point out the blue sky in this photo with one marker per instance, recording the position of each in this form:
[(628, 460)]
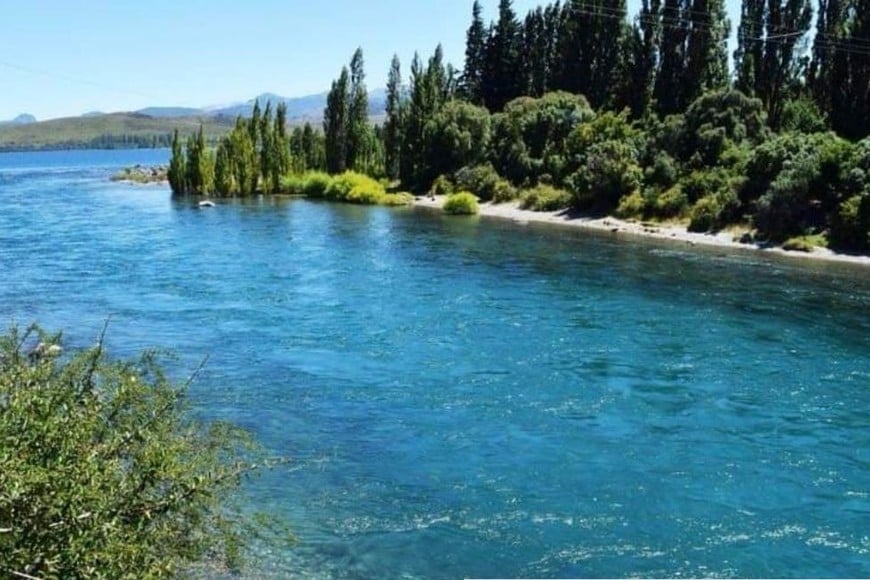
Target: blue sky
[(67, 57)]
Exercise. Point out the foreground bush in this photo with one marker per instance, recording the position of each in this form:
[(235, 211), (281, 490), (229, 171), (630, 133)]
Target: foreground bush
[(103, 472), (462, 203), (349, 187)]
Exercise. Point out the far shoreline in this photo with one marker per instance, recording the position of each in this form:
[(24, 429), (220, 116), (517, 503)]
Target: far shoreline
[(631, 229)]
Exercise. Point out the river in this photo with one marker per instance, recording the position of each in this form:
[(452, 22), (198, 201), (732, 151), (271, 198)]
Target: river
[(467, 397)]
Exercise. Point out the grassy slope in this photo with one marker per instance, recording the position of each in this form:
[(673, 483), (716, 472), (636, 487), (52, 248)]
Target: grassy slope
[(76, 131)]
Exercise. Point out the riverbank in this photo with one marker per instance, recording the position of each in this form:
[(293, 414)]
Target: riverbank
[(619, 227)]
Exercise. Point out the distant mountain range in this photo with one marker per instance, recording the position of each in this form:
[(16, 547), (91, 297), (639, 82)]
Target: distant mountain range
[(22, 119), (151, 126), (299, 109)]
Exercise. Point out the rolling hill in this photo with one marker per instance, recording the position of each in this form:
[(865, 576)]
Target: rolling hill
[(153, 126)]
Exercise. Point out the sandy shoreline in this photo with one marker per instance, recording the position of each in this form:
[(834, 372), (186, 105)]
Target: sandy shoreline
[(620, 227)]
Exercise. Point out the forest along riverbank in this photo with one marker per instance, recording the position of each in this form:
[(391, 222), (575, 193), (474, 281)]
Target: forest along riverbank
[(620, 227)]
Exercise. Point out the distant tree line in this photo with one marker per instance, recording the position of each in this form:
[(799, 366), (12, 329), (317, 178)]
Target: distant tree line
[(576, 105), (105, 141)]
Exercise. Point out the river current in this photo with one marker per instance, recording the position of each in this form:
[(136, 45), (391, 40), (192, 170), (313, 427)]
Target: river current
[(469, 397)]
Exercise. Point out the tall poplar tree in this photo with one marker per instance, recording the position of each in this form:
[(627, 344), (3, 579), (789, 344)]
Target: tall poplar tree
[(590, 42), (393, 122), (830, 33), (335, 123), (359, 132), (769, 57), (850, 81)]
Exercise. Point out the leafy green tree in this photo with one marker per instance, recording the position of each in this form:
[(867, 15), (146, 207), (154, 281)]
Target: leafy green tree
[(606, 152), (336, 120), (430, 89), (457, 135), (530, 137), (797, 182), (104, 473)]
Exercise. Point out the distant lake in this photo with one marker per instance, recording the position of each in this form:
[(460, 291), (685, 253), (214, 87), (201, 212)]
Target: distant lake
[(472, 397)]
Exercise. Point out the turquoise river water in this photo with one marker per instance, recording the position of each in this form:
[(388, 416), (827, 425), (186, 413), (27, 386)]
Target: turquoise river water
[(468, 397)]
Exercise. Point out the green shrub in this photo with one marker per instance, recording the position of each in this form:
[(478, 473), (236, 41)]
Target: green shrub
[(461, 203), (292, 184), (442, 186), (671, 203), (365, 194), (504, 191), (799, 244), (850, 227), (705, 214), (480, 179), (632, 206), (315, 183), (396, 199), (355, 188), (104, 472), (544, 198)]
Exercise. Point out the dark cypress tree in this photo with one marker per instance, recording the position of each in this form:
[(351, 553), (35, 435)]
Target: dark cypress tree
[(475, 57), (536, 54), (501, 81), (393, 124), (254, 124), (335, 123), (280, 146), (590, 45), (177, 173), (223, 171), (196, 163)]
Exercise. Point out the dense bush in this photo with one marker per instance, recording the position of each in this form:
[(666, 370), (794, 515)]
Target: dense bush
[(461, 203), (632, 206), (457, 135), (545, 198), (530, 136), (482, 180), (442, 186), (103, 471), (850, 226), (606, 151), (609, 172), (801, 179), (670, 204)]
